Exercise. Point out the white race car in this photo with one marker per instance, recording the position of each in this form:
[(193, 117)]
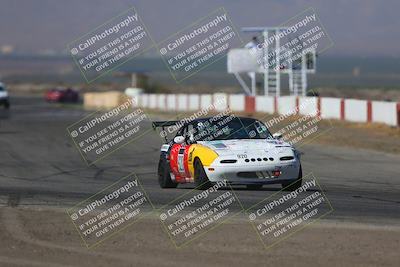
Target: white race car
[(238, 150)]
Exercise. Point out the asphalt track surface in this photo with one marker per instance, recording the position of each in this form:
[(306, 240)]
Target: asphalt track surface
[(40, 166)]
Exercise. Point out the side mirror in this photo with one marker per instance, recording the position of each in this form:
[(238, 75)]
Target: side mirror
[(179, 139), (277, 136)]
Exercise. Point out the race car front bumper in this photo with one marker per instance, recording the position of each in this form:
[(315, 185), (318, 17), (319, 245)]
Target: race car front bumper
[(257, 172)]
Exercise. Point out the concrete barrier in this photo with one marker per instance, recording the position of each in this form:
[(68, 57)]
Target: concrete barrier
[(287, 104), (250, 104), (330, 108), (183, 101), (237, 102), (220, 101), (144, 101), (171, 102), (103, 100), (355, 110), (135, 101), (162, 102), (194, 102), (308, 106), (265, 104), (384, 112), (153, 101), (206, 101)]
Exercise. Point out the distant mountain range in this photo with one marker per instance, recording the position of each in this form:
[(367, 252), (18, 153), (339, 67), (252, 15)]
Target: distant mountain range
[(331, 71)]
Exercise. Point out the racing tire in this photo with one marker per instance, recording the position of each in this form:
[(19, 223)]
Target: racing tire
[(254, 186), (7, 105), (291, 186), (164, 176), (200, 177)]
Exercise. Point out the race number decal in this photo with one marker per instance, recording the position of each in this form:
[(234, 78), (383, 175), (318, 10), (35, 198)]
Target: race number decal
[(181, 161)]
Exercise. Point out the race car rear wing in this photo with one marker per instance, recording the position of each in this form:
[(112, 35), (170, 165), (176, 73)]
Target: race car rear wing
[(163, 124)]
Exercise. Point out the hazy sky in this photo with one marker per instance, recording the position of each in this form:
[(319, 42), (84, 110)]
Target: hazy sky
[(357, 27)]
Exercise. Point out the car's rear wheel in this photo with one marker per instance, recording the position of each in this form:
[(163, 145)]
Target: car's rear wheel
[(200, 177), (293, 185), (254, 186), (164, 176)]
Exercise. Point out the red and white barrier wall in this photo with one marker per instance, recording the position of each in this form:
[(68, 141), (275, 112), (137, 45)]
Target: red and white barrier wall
[(331, 108), (385, 112), (327, 107), (265, 104)]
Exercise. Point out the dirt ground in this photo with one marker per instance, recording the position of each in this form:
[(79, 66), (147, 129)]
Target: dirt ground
[(377, 137), (38, 237), (374, 136)]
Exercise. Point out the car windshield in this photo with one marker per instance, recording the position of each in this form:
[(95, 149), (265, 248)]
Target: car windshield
[(229, 127)]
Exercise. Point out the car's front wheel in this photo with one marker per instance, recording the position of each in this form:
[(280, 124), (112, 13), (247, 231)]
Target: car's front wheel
[(293, 185), (164, 176), (200, 177)]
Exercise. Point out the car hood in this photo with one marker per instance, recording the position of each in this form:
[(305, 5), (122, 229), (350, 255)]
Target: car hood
[(248, 146)]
